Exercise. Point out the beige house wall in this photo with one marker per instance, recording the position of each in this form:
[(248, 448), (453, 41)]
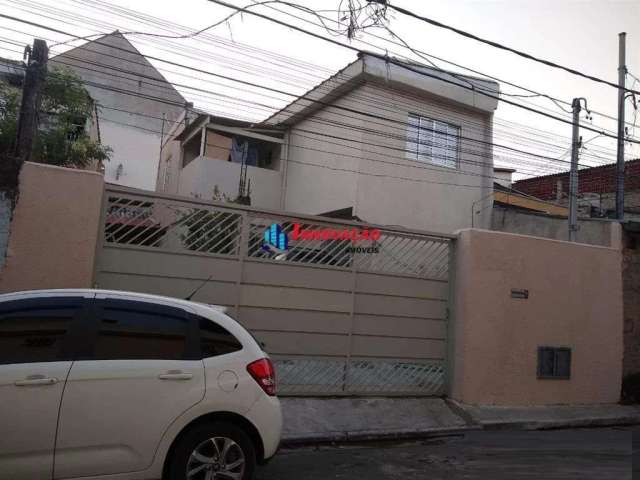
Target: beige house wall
[(575, 300), (594, 231), (347, 163), (54, 230), (393, 189), (323, 160)]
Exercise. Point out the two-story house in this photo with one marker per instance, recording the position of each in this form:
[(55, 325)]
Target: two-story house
[(388, 143)]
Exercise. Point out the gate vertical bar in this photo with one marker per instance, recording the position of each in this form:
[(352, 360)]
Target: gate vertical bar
[(347, 363), (243, 251), (449, 338)]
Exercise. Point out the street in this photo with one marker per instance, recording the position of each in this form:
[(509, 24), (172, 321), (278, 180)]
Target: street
[(579, 454)]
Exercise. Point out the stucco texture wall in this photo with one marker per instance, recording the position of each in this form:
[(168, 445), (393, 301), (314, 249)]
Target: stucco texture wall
[(359, 161), (396, 190), (54, 230), (595, 231), (631, 282), (575, 300)]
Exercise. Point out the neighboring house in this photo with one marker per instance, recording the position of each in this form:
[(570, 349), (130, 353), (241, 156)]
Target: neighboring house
[(507, 197), (376, 141), (596, 189), (121, 80)]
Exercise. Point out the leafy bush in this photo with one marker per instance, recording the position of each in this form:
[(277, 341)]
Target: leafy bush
[(61, 138)]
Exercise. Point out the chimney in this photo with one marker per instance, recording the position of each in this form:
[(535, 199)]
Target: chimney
[(502, 176)]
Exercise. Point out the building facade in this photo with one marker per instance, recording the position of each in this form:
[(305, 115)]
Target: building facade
[(389, 144), (134, 103)]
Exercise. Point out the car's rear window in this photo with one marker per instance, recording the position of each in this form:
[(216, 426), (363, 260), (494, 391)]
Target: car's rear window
[(216, 340)]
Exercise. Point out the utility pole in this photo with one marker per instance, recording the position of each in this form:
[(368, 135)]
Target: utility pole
[(573, 176), (31, 92), (622, 73)]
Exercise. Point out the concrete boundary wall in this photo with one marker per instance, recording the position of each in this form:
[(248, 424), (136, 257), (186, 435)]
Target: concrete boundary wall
[(361, 325), (54, 229), (575, 301)]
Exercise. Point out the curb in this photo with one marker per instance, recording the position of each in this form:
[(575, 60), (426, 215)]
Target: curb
[(559, 424), (373, 435)]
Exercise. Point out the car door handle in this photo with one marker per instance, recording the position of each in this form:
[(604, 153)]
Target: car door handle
[(35, 380), (175, 375)]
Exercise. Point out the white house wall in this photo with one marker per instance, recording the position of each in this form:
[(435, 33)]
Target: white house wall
[(202, 175), (131, 96), (138, 153)]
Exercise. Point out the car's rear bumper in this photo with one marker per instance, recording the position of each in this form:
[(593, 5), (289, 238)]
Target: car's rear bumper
[(266, 415)]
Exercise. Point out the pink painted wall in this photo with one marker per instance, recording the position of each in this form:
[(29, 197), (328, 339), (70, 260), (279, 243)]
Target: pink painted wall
[(575, 300), (54, 229)]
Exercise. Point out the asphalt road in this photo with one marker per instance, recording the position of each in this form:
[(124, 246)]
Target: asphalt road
[(581, 454)]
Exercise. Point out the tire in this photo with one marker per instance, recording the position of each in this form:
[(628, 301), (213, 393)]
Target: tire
[(197, 452)]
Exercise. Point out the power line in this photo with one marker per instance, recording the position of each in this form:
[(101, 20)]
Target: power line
[(270, 6), (440, 170), (427, 56), (477, 153), (500, 46), (271, 107), (368, 32), (342, 154), (276, 10), (406, 67), (109, 8), (326, 104)]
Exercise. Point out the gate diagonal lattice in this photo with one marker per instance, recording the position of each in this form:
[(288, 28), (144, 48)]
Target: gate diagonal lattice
[(336, 321)]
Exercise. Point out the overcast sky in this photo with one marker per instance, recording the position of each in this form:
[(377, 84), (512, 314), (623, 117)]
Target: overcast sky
[(579, 34)]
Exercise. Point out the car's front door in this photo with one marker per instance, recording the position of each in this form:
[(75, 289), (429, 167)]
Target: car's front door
[(34, 363), (138, 377)]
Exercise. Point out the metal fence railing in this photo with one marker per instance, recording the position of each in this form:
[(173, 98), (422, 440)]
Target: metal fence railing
[(180, 225)]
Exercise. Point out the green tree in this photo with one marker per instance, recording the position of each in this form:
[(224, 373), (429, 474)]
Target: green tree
[(61, 139)]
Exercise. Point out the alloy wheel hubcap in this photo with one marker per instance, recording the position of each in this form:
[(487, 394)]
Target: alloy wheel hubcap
[(218, 458)]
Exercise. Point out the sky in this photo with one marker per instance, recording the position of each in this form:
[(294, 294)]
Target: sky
[(579, 34)]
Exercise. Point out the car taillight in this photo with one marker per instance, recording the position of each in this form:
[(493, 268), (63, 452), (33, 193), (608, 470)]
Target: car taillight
[(262, 372)]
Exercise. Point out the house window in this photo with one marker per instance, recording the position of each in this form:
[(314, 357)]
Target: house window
[(554, 362), (432, 141)]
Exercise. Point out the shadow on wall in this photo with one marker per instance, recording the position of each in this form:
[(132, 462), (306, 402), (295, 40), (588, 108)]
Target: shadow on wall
[(5, 222)]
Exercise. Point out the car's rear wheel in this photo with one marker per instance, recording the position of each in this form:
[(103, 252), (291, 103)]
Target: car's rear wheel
[(215, 451)]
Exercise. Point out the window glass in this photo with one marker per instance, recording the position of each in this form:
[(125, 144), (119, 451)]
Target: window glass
[(33, 330), (432, 141), (216, 340), (554, 362), (138, 330)]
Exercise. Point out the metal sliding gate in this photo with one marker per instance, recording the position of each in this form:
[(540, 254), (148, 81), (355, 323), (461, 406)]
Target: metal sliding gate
[(337, 320)]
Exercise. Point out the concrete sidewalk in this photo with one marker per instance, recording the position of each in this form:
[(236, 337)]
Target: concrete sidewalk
[(319, 420), (557, 416)]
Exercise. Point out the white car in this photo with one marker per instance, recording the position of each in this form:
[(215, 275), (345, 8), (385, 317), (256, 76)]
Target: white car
[(117, 385)]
